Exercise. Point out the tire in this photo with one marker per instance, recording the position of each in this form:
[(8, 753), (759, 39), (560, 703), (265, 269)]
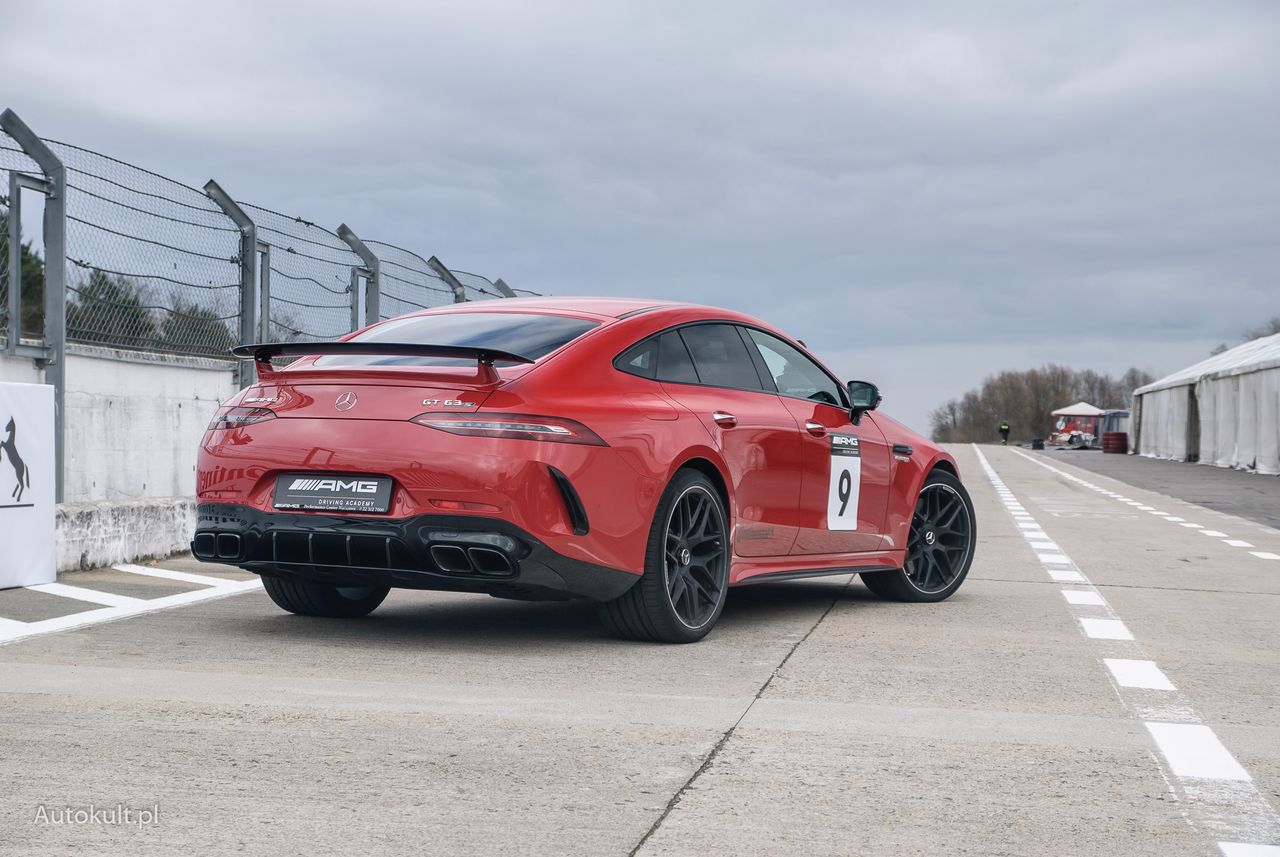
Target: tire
[(318, 599), (689, 538), (939, 548)]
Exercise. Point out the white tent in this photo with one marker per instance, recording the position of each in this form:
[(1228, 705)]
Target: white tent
[(1079, 409), (1223, 411)]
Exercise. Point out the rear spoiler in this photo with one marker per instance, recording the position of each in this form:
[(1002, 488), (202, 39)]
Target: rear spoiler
[(262, 354)]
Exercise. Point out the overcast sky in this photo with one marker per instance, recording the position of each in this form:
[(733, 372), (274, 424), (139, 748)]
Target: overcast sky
[(925, 197)]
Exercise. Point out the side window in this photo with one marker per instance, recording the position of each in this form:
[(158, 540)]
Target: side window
[(795, 374), (640, 359), (673, 360), (720, 356)]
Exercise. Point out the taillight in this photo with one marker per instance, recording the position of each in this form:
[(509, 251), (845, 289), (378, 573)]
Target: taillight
[(240, 417), (511, 426)]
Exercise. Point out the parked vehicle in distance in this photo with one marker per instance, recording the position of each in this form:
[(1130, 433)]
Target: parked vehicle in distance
[(644, 455)]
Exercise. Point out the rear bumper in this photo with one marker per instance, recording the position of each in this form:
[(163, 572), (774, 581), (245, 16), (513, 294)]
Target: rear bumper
[(448, 552)]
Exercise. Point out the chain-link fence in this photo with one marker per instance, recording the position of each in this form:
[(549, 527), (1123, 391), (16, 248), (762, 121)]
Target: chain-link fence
[(156, 265)]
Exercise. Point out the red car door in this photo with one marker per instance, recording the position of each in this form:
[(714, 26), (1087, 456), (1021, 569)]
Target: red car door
[(708, 369), (844, 492)]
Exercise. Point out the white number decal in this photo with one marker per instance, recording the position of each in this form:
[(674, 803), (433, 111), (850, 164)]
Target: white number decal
[(846, 480)]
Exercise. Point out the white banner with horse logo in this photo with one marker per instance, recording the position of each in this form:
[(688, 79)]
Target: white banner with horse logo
[(26, 485)]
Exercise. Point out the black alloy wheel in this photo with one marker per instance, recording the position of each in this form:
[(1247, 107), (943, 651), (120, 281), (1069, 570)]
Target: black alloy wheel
[(694, 563), (941, 538), (682, 591), (940, 545)]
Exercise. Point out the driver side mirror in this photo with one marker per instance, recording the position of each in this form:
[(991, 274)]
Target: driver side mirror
[(863, 396)]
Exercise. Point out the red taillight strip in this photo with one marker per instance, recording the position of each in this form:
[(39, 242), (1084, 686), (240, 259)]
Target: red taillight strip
[(233, 418), (511, 427)]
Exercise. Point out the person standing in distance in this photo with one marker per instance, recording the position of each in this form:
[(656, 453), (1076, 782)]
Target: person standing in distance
[(1004, 433)]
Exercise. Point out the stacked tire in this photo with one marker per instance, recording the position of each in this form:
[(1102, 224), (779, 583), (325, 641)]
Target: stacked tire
[(1115, 442)]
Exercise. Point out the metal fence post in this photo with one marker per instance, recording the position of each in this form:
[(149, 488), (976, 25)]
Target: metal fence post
[(248, 273), (504, 288), (372, 288), (55, 275), (459, 291)]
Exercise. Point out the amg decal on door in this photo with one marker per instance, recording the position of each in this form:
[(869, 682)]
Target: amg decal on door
[(845, 482)]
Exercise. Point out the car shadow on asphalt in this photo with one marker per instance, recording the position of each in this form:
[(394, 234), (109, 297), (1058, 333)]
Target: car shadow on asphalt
[(464, 620)]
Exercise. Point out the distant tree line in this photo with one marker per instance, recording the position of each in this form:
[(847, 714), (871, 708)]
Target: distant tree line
[(110, 309), (1026, 400)]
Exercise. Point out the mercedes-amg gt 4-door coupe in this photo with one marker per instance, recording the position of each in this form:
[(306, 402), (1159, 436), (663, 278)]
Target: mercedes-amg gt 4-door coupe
[(647, 456)]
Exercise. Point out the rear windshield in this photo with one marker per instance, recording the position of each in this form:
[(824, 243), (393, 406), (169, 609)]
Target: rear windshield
[(526, 334)]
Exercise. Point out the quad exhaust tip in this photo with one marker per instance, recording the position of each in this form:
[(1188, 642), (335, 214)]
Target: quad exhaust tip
[(216, 546), (456, 559)]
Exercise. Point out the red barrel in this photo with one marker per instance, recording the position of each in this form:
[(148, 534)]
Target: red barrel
[(1115, 441)]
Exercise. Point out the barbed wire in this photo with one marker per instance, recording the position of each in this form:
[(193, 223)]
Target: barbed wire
[(155, 263)]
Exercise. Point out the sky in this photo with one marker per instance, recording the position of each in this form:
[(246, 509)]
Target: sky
[(925, 193)]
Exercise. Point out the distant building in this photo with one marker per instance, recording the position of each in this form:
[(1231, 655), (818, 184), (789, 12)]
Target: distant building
[(1223, 411)]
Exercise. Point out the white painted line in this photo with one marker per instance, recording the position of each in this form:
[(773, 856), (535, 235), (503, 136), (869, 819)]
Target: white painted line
[(1044, 546), (1055, 558), (1265, 554), (9, 634), (1192, 750), (1105, 629), (173, 575), (1029, 526), (1217, 534), (1172, 518), (1238, 543), (1064, 576), (1248, 849), (1141, 674), (1192, 526), (1146, 508), (1085, 597), (1161, 514), (106, 599)]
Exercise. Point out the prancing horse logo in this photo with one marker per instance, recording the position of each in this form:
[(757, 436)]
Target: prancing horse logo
[(346, 401), (10, 447)]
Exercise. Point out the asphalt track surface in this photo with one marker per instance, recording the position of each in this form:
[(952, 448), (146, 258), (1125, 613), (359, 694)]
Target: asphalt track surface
[(1106, 682)]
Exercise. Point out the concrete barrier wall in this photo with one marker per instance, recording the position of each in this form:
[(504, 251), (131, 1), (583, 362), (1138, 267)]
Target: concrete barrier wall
[(133, 420), (133, 424)]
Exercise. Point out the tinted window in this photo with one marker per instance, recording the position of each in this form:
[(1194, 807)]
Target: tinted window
[(639, 359), (527, 334), (673, 360), (720, 356), (795, 374)]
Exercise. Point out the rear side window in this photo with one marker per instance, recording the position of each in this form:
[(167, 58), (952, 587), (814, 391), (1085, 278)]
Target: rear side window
[(674, 364), (527, 334), (640, 359), (721, 357)]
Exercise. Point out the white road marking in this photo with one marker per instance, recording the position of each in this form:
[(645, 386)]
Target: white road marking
[(1105, 629), (1172, 518), (1217, 534), (1055, 558), (11, 631), (92, 596), (1218, 792), (1136, 673), (1192, 526), (1238, 543), (1265, 554), (1084, 597), (168, 574), (1193, 751), (1248, 849), (1043, 546)]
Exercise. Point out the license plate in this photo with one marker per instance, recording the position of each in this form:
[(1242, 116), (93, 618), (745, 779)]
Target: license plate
[(333, 492)]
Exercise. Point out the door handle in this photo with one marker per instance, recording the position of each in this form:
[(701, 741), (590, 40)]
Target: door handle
[(724, 419), (815, 429)]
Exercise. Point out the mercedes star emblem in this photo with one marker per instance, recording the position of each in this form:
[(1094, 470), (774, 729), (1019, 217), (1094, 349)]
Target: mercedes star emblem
[(345, 402)]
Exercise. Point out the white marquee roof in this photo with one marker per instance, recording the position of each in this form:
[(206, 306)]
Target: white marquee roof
[(1253, 356), (1079, 409)]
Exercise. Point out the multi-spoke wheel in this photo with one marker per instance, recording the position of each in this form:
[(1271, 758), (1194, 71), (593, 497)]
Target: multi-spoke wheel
[(939, 546), (686, 575)]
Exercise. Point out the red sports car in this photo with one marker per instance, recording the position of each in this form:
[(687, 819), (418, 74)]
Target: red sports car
[(644, 455)]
